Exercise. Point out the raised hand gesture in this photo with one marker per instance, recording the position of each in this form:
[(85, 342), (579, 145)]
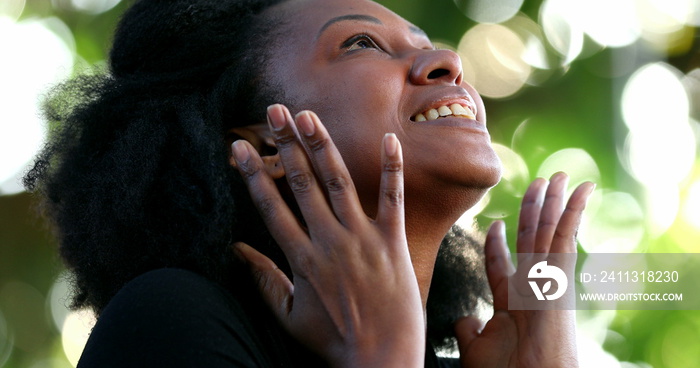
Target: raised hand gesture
[(527, 338), (355, 299)]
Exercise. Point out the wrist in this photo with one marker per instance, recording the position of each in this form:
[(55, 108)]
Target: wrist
[(399, 352)]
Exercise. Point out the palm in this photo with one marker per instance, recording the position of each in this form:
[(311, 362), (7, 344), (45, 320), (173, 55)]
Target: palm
[(526, 338)]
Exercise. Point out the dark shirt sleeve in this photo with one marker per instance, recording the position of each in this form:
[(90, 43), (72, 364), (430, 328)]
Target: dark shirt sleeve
[(172, 318)]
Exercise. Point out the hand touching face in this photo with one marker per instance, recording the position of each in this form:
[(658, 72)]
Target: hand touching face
[(367, 72)]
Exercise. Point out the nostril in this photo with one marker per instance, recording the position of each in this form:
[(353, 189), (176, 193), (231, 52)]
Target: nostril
[(437, 73)]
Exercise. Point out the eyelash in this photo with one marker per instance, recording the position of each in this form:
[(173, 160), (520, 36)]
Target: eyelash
[(354, 40)]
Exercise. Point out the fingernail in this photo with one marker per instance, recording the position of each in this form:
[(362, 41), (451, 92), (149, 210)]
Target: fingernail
[(240, 151), (560, 175), (591, 188), (305, 123), (275, 117), (391, 144)]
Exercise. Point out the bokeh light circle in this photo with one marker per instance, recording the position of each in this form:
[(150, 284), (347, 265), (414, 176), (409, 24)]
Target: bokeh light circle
[(660, 149), (615, 225), (515, 175), (564, 34), (576, 162), (75, 332), (489, 11), (94, 6), (616, 26), (492, 56), (34, 57), (58, 303), (654, 93), (12, 8)]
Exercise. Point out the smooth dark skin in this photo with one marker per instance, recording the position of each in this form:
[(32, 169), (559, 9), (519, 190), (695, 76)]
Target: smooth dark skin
[(363, 267)]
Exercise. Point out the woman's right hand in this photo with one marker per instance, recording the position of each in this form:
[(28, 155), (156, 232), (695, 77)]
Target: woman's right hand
[(355, 299)]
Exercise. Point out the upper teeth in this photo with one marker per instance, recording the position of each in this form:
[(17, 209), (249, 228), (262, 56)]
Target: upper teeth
[(442, 111)]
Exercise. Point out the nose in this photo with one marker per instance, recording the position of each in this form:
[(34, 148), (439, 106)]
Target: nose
[(436, 66)]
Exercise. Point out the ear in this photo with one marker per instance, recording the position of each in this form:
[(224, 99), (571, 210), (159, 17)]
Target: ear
[(260, 137)]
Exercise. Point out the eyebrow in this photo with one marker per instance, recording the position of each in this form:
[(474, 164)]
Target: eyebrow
[(366, 18), (362, 17)]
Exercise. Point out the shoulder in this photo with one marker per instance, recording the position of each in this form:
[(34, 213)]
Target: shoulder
[(172, 317), (170, 288)]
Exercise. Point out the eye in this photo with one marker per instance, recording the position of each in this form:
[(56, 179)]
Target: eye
[(359, 42)]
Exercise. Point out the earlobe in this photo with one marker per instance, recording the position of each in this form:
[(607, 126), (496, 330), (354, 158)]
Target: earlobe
[(259, 136), (273, 166)]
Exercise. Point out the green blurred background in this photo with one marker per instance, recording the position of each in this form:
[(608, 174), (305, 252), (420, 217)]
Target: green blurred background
[(606, 90)]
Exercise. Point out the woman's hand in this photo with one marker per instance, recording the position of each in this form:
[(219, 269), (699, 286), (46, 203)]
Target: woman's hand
[(527, 338), (355, 298)]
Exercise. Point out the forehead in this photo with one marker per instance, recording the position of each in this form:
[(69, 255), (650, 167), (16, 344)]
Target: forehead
[(310, 18)]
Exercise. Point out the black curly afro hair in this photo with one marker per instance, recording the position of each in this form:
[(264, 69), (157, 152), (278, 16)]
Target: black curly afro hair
[(136, 176)]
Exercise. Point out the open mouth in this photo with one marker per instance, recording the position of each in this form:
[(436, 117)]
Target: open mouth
[(455, 110)]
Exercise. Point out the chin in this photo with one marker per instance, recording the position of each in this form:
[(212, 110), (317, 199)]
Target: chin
[(493, 175), (473, 187), (482, 174)]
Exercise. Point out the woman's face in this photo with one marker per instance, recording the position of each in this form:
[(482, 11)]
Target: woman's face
[(366, 72)]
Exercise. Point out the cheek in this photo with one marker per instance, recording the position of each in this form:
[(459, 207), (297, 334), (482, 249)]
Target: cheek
[(358, 112), (357, 103), (358, 139), (359, 147)]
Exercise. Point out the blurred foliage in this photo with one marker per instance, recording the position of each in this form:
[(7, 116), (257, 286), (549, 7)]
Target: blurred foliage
[(566, 117)]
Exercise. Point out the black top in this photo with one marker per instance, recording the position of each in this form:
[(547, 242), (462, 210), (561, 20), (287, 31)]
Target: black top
[(177, 318)]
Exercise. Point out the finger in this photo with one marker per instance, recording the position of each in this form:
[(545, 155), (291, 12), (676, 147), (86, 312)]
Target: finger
[(330, 169), (551, 212), (299, 172), (279, 219), (529, 215), (466, 330), (498, 264), (564, 240), (273, 284), (390, 213)]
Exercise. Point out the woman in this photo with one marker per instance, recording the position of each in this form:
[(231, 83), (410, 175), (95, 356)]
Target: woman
[(149, 202)]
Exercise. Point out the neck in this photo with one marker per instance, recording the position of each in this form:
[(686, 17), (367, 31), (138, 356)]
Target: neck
[(427, 222), (424, 243), (426, 227)]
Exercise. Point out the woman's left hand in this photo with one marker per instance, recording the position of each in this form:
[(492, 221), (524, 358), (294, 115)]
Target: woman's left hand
[(527, 338)]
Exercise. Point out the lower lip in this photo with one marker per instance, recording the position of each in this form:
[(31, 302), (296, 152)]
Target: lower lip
[(455, 122)]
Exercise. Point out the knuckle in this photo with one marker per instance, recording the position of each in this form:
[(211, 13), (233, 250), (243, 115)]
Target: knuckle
[(546, 223), (285, 140), (560, 235), (336, 184), (393, 196), (529, 201), (393, 167), (317, 145), (249, 169), (300, 182), (526, 231)]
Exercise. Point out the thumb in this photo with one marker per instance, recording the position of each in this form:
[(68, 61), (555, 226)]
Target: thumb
[(273, 284)]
